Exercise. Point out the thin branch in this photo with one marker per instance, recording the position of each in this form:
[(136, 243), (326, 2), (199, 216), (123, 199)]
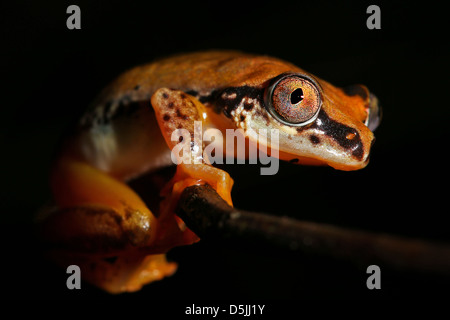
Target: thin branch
[(208, 215)]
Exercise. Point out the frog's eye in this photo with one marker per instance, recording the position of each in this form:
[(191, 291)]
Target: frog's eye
[(294, 99)]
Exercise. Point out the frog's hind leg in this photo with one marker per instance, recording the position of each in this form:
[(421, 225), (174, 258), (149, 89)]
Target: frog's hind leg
[(108, 230), (97, 211)]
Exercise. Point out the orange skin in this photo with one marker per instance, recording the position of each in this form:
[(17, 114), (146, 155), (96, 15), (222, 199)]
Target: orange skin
[(127, 132)]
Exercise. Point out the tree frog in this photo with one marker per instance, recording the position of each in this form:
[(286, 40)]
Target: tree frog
[(102, 225)]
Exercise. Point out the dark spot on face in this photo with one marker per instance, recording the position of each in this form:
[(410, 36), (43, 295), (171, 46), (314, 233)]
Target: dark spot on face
[(181, 115), (314, 139), (183, 96), (248, 106), (242, 118), (180, 139), (222, 101), (339, 132), (165, 95), (293, 160), (170, 105), (137, 87), (166, 117)]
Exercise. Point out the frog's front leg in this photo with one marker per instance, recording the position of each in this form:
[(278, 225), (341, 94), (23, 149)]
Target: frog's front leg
[(177, 110)]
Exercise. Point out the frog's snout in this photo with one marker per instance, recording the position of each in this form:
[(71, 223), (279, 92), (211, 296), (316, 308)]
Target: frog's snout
[(374, 113)]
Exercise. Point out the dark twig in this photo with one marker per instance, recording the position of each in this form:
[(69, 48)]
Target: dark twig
[(211, 217)]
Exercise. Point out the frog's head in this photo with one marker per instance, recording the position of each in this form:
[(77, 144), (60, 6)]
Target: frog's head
[(319, 123)]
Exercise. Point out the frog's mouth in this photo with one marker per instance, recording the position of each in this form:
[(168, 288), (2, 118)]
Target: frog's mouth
[(374, 113)]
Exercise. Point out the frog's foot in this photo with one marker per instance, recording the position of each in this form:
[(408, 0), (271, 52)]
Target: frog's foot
[(188, 175), (192, 174), (98, 216)]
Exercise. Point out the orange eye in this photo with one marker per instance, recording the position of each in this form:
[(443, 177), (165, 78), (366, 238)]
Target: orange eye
[(294, 99)]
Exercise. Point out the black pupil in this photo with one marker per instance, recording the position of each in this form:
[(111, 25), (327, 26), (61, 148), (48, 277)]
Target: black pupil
[(296, 96)]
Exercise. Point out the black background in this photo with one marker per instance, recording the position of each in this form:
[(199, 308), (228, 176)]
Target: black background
[(51, 73)]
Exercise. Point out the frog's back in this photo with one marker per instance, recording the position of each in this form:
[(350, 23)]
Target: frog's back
[(118, 132), (200, 72)]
